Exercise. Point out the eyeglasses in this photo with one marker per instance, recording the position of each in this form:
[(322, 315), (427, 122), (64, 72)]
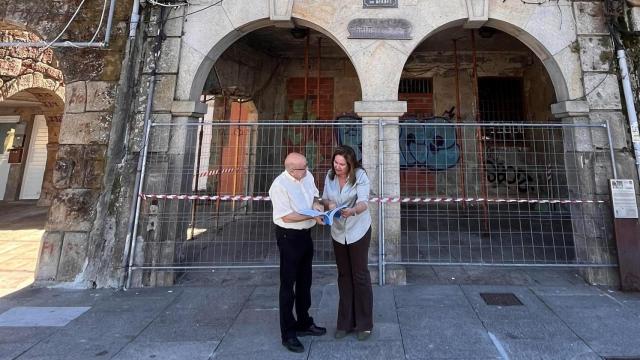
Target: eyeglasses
[(291, 171)]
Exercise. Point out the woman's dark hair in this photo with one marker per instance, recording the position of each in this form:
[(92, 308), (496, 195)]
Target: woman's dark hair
[(350, 157)]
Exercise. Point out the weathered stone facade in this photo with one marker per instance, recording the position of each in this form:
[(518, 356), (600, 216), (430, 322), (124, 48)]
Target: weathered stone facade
[(106, 93)]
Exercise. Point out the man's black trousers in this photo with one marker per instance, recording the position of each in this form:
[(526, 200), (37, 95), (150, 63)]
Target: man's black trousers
[(296, 256)]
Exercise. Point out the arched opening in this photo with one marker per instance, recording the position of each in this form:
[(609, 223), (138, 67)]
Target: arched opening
[(274, 91), (480, 147), (31, 109)]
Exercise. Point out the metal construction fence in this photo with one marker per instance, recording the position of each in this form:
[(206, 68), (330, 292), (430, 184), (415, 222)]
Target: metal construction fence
[(442, 192)]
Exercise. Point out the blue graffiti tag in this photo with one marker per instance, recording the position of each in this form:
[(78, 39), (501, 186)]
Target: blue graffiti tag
[(351, 135), (428, 145), (424, 144)]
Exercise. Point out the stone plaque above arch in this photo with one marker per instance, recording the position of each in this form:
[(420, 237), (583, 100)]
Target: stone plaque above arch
[(387, 29), (280, 10), (478, 11)]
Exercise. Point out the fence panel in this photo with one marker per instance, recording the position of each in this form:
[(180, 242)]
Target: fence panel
[(502, 194), (493, 194), (205, 192)]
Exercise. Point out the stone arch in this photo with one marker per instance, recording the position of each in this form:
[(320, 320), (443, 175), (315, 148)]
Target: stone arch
[(34, 74), (192, 77), (560, 80)]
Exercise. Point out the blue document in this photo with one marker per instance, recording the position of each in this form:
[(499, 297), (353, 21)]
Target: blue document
[(327, 216)]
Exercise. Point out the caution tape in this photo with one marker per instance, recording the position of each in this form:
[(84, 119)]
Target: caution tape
[(218, 171), (378, 199)]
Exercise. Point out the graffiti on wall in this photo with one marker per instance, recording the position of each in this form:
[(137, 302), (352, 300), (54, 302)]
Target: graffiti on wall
[(429, 145), (510, 175), (423, 145), (349, 133)]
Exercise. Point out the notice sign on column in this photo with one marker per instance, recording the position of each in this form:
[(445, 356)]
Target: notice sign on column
[(623, 195)]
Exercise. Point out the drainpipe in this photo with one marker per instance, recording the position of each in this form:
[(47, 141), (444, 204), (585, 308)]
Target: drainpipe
[(132, 233), (628, 96), (631, 108), (102, 44), (135, 18)]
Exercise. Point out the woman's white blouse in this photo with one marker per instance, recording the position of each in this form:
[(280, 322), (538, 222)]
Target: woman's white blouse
[(351, 229)]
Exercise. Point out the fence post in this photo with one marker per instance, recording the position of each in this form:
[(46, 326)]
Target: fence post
[(380, 148)]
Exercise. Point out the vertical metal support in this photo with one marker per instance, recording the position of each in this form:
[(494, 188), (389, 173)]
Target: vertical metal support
[(318, 80), (306, 79), (479, 133), (630, 104), (194, 204), (381, 255), (611, 152), (460, 138), (142, 166), (107, 34)]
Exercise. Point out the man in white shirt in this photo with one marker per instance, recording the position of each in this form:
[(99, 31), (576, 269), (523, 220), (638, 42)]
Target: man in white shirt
[(292, 191)]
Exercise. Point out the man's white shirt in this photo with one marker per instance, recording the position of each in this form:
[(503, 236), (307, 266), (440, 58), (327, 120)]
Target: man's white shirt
[(289, 195)]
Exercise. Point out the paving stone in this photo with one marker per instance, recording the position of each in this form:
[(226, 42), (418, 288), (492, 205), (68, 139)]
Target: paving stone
[(185, 330), (603, 323), (174, 350), (11, 350), (29, 316), (548, 350), (266, 297), (454, 334), (256, 333), (365, 350)]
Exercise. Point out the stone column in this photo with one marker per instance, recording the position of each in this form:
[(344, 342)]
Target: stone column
[(48, 190), (171, 175), (372, 113), (587, 160)]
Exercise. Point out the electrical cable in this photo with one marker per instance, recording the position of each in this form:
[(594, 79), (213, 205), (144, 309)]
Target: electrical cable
[(95, 35), (66, 27), (176, 5), (193, 12)]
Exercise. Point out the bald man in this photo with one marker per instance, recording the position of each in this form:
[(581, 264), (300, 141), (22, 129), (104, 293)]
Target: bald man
[(292, 191)]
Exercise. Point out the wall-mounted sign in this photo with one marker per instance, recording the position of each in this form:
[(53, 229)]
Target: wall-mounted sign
[(369, 4), (623, 195), (387, 29)]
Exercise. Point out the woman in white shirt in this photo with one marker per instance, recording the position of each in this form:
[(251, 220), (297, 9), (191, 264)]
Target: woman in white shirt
[(347, 184)]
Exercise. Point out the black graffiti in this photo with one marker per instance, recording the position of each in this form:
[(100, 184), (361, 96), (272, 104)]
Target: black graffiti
[(500, 174)]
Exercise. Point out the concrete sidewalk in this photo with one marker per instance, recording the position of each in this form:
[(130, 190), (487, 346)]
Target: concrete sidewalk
[(21, 229), (558, 320)]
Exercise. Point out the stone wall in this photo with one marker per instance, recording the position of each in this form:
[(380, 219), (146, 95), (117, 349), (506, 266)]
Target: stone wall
[(75, 239)]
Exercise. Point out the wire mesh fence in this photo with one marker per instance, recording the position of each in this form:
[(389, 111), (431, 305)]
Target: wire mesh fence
[(206, 191), (502, 194), (505, 194)]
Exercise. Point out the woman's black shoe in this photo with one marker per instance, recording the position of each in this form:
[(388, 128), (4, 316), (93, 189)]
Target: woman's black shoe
[(293, 344)]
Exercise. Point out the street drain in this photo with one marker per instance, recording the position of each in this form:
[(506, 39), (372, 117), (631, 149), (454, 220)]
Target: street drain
[(500, 299)]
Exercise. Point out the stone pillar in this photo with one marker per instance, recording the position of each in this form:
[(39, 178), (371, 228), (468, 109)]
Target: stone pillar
[(16, 171), (586, 158), (372, 113), (77, 178), (48, 190), (172, 175)]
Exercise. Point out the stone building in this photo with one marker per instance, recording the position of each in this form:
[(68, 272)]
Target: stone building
[(515, 173)]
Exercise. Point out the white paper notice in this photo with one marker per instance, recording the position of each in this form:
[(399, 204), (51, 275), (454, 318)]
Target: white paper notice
[(624, 199)]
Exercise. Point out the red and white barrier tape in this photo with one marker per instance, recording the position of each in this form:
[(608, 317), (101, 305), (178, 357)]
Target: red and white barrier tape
[(218, 171), (377, 199)]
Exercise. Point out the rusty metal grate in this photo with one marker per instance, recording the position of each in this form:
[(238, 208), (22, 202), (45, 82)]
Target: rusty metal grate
[(416, 86), (501, 299)]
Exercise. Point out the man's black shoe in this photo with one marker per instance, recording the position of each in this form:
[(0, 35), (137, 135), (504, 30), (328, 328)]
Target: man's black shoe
[(312, 330), (293, 344)]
